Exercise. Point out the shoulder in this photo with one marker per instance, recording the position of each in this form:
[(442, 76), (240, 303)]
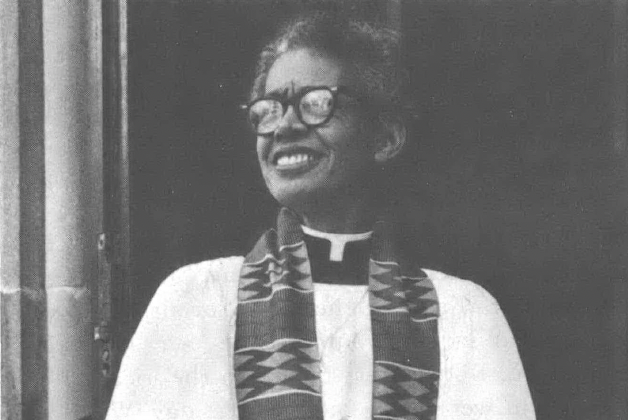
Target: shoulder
[(466, 309), (200, 277), (456, 293), (208, 285), (471, 323), (179, 355), (191, 301), (481, 373)]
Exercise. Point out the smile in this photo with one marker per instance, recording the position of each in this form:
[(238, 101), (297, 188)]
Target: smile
[(299, 161)]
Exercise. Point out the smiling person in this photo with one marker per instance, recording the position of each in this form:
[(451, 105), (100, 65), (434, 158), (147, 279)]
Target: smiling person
[(324, 318)]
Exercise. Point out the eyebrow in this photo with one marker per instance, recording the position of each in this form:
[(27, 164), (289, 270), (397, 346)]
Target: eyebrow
[(284, 93)]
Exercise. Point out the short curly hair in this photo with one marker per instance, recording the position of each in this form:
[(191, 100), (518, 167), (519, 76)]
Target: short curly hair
[(373, 52)]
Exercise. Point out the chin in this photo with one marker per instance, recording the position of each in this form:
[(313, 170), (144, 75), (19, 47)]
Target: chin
[(299, 198), (296, 200)]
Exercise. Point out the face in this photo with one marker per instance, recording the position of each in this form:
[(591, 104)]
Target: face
[(301, 165)]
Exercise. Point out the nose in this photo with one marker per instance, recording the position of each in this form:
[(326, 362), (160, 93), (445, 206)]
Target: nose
[(289, 125)]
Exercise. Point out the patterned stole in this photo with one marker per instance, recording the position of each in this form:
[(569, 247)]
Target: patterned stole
[(276, 361)]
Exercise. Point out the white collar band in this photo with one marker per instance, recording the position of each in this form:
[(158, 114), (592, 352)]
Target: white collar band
[(338, 240)]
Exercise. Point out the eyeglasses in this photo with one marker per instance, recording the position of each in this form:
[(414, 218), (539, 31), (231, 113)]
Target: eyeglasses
[(314, 107)]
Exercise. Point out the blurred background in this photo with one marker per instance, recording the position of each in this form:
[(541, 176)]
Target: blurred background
[(516, 177)]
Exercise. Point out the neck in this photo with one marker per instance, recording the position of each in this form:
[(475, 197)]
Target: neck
[(355, 217)]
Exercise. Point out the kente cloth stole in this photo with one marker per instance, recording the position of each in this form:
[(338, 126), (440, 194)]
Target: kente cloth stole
[(276, 361)]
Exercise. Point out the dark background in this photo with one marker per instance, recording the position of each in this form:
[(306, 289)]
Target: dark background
[(513, 179)]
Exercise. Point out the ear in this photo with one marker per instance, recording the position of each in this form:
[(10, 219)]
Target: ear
[(392, 140)]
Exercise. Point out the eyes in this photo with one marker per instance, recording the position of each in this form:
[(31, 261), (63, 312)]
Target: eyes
[(316, 106), (265, 114), (313, 106)]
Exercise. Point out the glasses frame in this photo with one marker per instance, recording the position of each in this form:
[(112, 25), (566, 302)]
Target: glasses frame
[(294, 101)]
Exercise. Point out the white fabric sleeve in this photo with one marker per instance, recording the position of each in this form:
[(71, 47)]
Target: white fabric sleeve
[(481, 372), (179, 362)]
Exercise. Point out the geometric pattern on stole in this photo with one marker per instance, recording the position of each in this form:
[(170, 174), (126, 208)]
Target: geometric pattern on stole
[(406, 351), (277, 366)]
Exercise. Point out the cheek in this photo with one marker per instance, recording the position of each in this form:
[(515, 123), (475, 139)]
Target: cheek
[(355, 144), (261, 148)]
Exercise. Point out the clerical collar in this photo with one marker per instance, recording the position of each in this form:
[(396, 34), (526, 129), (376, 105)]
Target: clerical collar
[(338, 259), (338, 240)]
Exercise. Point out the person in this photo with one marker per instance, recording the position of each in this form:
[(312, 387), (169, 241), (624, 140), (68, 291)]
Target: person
[(325, 318)]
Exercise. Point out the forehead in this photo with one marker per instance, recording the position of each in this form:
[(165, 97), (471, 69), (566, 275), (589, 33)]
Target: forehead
[(300, 68)]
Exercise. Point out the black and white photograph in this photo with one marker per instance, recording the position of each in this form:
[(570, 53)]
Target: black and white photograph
[(314, 209)]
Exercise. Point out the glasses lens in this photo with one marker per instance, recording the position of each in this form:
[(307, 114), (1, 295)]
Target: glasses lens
[(265, 114), (316, 106)]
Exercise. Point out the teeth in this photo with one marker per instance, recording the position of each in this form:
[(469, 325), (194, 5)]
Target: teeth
[(293, 159)]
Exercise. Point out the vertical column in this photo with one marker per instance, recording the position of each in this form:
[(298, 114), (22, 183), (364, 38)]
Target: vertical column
[(73, 142), (619, 135), (620, 76), (22, 237), (51, 204), (113, 309)]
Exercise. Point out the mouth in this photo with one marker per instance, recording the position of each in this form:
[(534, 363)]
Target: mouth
[(295, 160)]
